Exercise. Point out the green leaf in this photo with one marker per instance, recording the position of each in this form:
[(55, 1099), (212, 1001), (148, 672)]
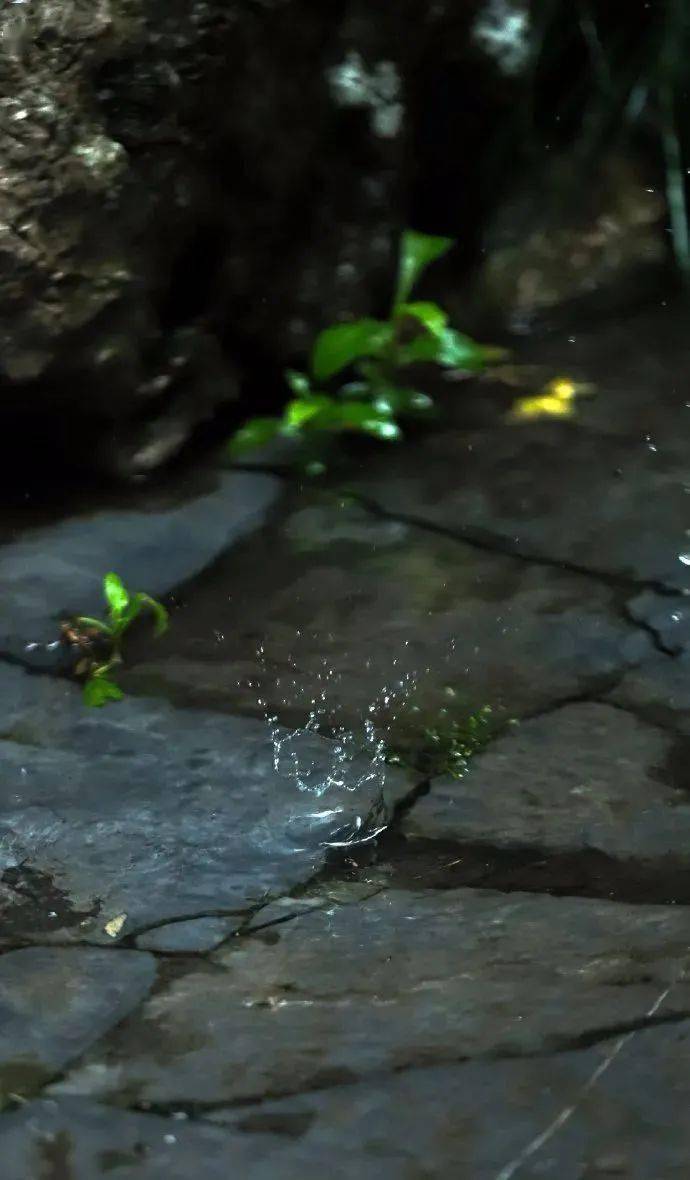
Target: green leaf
[(460, 352), (160, 615), (301, 411), (384, 428), (417, 251), (451, 349), (365, 417), (355, 389), (255, 433), (115, 593), (299, 382), (433, 317), (99, 689), (337, 347), (401, 400)]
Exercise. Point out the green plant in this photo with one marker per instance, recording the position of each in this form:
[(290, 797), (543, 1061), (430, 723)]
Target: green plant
[(100, 640), (444, 745), (377, 350)]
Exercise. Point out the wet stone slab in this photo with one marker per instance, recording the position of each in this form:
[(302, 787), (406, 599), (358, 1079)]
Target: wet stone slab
[(406, 978), (666, 615), (618, 506), (477, 1120), (55, 1002), (659, 691), (142, 813), (472, 1120), (193, 937), (586, 777), (341, 616), (55, 571), (82, 1141)]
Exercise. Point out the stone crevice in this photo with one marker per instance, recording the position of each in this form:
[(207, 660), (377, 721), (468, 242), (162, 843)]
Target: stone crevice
[(651, 631), (200, 1110), (491, 543), (537, 869)]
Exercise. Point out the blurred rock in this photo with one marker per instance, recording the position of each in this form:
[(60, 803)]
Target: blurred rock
[(177, 178), (568, 238)]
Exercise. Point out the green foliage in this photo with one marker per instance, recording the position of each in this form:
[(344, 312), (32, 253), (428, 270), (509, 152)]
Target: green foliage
[(417, 252), (442, 745), (99, 689), (107, 635), (377, 350), (341, 345)]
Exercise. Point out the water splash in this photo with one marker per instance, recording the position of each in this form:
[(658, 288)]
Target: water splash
[(358, 753)]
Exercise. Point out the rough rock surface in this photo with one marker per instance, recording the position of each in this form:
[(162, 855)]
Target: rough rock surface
[(81, 1140), (477, 1119), (498, 984), (585, 777), (363, 616), (143, 814), (405, 978), (549, 491), (660, 692), (486, 1120), (563, 238), (192, 937), (178, 177), (55, 1002)]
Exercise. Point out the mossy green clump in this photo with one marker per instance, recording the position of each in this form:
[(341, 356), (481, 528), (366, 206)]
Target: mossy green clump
[(444, 744)]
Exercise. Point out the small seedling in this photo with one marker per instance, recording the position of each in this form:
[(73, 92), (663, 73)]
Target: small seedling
[(101, 639), (376, 352)]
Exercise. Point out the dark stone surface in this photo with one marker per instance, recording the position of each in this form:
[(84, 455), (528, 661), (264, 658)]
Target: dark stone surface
[(192, 937), (53, 572), (370, 1018), (56, 1002), (478, 1120), (549, 491), (404, 978), (565, 241), (151, 813), (474, 1120), (584, 777), (343, 616), (668, 617), (181, 176), (659, 690), (81, 1141)]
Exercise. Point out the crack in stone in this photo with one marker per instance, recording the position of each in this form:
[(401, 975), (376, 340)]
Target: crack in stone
[(595, 693), (654, 635), (432, 864), (200, 1110), (55, 1076), (490, 543), (646, 714), (564, 1116)]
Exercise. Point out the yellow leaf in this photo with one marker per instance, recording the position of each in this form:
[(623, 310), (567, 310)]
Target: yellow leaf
[(526, 408), (561, 388), (114, 927), (566, 389)]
